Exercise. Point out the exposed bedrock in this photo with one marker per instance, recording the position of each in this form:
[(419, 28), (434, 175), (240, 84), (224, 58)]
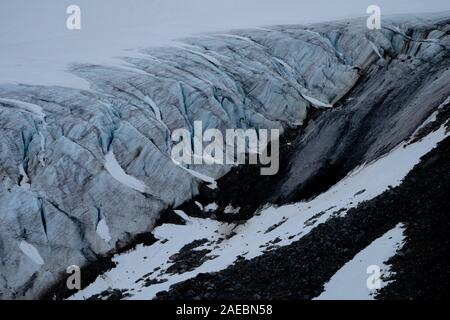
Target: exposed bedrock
[(84, 172)]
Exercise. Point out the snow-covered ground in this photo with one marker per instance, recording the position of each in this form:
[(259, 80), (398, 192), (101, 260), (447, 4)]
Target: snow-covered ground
[(284, 224), (351, 281)]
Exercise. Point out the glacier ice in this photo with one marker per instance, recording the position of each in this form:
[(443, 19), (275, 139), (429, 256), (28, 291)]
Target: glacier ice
[(97, 155)]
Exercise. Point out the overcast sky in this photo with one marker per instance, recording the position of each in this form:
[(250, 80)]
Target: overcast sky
[(22, 20), (33, 34)]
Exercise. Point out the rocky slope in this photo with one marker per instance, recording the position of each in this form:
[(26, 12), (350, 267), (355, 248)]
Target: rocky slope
[(83, 173), (300, 270)]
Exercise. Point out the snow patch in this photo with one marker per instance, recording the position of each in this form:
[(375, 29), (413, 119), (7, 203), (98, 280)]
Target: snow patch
[(431, 118), (375, 49), (231, 209), (103, 230), (238, 37), (315, 102), (199, 205), (211, 207), (116, 171), (207, 57), (25, 106), (350, 282), (31, 252), (183, 215), (155, 109), (25, 182), (212, 183)]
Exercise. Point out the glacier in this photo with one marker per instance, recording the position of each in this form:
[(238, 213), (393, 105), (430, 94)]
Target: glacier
[(83, 172)]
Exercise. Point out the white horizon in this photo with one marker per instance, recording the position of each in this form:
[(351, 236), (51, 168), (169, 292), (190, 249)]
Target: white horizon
[(36, 47)]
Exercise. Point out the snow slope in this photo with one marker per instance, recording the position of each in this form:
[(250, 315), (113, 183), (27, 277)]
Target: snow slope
[(351, 281)]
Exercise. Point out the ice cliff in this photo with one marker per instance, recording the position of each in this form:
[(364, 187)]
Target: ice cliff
[(83, 172)]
